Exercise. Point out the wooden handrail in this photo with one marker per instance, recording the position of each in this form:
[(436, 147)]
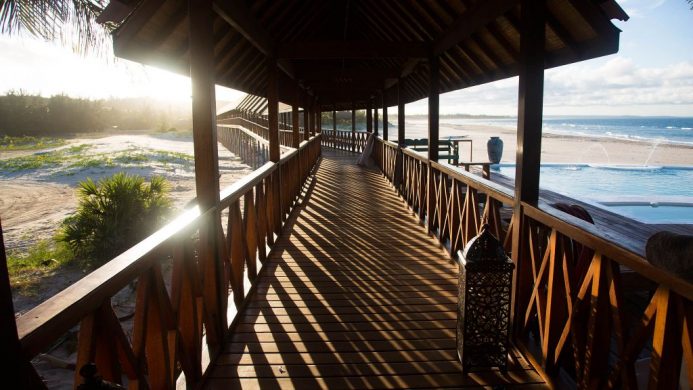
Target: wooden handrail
[(38, 327), (569, 293), (265, 208), (607, 243), (484, 185)]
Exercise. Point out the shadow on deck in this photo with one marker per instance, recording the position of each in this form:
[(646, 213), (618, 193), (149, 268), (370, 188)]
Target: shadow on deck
[(355, 294)]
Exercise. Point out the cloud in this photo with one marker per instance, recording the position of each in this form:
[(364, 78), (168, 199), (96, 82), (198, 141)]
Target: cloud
[(620, 82), (614, 86)]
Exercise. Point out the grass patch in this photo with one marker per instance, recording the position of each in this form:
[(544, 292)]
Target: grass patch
[(167, 157), (48, 159), (27, 268), (34, 161), (77, 157), (29, 143), (91, 162)]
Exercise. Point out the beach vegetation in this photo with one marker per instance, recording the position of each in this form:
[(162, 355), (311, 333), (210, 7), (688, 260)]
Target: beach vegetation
[(114, 214), (28, 143), (28, 266)]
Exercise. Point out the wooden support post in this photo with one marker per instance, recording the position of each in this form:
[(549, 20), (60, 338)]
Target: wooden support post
[(385, 124), (369, 117), (296, 136), (353, 127), (375, 120), (207, 166), (334, 119), (273, 108), (433, 109), (314, 121), (319, 121), (306, 122), (529, 122), (400, 113)]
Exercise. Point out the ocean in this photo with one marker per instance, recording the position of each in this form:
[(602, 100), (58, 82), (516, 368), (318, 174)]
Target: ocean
[(651, 194), (673, 130)]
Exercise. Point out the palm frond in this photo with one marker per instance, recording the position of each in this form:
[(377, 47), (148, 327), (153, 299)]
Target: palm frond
[(73, 22)]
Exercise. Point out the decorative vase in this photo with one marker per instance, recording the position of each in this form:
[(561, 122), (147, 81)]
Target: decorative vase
[(494, 146)]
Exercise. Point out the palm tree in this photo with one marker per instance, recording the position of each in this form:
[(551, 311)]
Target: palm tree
[(71, 21)]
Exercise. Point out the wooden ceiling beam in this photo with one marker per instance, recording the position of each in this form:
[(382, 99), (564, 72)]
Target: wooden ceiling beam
[(142, 14), (351, 50), (478, 16), (364, 74), (237, 14)]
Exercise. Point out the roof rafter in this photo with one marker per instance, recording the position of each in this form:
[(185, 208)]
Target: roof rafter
[(237, 14), (478, 16), (351, 49)]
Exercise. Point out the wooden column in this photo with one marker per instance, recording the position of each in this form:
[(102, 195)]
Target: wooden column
[(296, 136), (369, 117), (207, 166), (400, 113), (273, 108), (375, 120), (306, 122), (385, 124), (334, 119), (433, 109), (353, 127), (529, 122), (319, 121)]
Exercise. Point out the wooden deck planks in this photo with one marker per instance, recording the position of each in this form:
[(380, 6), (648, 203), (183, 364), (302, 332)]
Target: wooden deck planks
[(355, 295)]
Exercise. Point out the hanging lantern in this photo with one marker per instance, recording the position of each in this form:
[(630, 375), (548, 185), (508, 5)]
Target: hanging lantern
[(483, 310)]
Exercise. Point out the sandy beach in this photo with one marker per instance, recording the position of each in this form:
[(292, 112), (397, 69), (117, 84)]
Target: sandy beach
[(563, 148)]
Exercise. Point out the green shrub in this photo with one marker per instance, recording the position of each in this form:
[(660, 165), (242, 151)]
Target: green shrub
[(115, 214), (27, 267)]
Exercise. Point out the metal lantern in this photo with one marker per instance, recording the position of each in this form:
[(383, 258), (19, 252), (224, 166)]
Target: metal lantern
[(483, 310)]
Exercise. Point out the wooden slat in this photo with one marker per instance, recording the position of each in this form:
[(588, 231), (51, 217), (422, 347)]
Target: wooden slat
[(355, 293)]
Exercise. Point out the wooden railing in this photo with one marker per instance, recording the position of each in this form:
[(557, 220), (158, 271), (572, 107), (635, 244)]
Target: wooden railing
[(259, 126), (252, 149), (344, 140), (180, 318), (572, 308)]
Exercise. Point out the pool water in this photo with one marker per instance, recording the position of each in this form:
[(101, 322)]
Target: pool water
[(649, 194)]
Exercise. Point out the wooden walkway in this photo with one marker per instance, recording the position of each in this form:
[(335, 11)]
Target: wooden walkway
[(355, 295)]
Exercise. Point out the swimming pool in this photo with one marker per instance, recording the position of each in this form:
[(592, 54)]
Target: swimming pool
[(650, 194)]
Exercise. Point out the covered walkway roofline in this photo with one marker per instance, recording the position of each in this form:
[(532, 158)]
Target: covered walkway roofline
[(339, 53)]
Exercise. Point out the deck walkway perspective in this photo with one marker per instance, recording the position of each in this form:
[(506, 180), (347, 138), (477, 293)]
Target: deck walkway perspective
[(354, 295)]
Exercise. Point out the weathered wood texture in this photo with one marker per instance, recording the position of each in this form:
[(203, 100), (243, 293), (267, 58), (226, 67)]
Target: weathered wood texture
[(252, 149), (258, 125), (355, 294), (575, 308), (345, 140), (174, 319)]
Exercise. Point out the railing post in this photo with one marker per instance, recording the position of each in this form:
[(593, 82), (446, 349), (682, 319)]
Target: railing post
[(206, 166), (529, 122)]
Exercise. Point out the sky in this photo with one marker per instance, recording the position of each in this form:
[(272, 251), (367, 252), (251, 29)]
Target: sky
[(652, 74)]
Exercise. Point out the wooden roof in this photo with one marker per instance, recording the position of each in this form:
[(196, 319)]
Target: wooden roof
[(345, 51)]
